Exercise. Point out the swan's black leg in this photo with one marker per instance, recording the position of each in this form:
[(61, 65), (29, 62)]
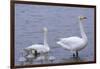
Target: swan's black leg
[(73, 54), (76, 54)]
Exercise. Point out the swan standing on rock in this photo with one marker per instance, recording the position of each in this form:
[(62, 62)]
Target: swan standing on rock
[(38, 48), (75, 44)]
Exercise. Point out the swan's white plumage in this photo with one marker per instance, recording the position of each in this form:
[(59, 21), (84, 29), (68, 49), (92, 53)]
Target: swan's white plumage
[(75, 43), (72, 43), (40, 48)]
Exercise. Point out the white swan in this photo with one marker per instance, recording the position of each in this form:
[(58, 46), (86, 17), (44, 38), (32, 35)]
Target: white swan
[(75, 44), (38, 48)]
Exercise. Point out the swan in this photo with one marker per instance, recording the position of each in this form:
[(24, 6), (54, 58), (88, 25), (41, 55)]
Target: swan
[(39, 48), (74, 43)]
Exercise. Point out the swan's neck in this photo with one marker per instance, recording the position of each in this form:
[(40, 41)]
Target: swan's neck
[(45, 38), (82, 30)]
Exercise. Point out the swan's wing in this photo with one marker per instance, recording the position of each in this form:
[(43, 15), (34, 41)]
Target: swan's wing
[(72, 42), (33, 46), (41, 48), (63, 45), (38, 47)]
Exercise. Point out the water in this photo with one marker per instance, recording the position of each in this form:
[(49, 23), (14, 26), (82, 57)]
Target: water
[(61, 22)]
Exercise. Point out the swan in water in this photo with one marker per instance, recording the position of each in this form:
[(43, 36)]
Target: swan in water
[(38, 48), (74, 43)]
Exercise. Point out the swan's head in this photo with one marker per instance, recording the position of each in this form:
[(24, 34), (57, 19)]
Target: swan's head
[(45, 29), (82, 18)]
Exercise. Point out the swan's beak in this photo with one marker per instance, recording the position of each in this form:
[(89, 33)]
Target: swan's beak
[(85, 18), (82, 17)]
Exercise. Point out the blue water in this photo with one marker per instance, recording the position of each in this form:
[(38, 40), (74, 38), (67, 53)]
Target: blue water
[(60, 21)]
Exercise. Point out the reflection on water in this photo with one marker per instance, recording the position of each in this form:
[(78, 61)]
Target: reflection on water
[(73, 59), (47, 59), (40, 59)]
